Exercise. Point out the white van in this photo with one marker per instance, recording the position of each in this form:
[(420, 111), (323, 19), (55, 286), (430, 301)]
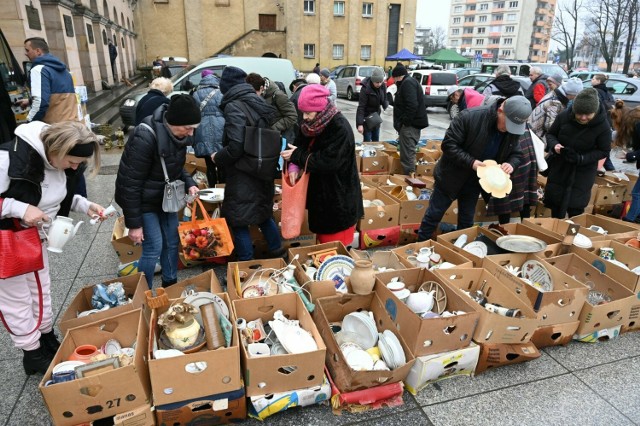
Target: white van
[(518, 68), (275, 69)]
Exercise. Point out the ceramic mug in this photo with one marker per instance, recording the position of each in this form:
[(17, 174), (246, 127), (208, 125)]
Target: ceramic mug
[(369, 152), (257, 350), (413, 260), (61, 376), (607, 253)]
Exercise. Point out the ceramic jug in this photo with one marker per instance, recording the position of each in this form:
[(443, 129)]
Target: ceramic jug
[(60, 232), (362, 277)]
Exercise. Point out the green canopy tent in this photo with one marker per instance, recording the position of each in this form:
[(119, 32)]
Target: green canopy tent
[(447, 56)]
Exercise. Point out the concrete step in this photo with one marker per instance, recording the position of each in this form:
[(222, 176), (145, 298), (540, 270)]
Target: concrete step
[(104, 106)]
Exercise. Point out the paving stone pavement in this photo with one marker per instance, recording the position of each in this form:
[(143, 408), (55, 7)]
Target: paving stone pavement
[(580, 384)]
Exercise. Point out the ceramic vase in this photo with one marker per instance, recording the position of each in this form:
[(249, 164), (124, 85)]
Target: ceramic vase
[(84, 353), (184, 335), (363, 277)]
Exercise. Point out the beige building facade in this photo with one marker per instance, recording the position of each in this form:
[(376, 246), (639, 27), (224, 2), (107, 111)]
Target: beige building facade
[(77, 32), (502, 30), (305, 31)]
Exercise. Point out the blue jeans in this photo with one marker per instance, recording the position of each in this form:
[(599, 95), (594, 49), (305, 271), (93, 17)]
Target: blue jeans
[(634, 210), (440, 202), (160, 241), (244, 245), (371, 135)]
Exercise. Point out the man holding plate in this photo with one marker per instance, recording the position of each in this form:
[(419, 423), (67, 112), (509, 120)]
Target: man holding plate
[(475, 135)]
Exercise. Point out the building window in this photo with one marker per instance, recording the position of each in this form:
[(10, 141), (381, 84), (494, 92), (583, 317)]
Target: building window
[(454, 42), (469, 18), (479, 42), (367, 10), (471, 7), (467, 31), (365, 52), (455, 31), (68, 25), (161, 1), (309, 50), (104, 37), (338, 8), (338, 51), (90, 34), (33, 18), (511, 16), (506, 53), (484, 6), (482, 18), (497, 17), (310, 6), (507, 41), (481, 30), (456, 20), (509, 29), (498, 5), (513, 4), (478, 52), (222, 3), (457, 9)]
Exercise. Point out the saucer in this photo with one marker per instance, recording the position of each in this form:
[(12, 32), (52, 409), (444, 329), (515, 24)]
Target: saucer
[(67, 366), (538, 274), (477, 248)]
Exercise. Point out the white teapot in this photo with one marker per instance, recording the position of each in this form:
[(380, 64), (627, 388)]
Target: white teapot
[(60, 232)]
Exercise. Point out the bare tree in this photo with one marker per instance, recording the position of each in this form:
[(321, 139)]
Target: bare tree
[(632, 30), (439, 38), (565, 28), (607, 22)]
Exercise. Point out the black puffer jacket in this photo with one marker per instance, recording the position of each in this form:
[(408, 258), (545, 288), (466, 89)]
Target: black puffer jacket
[(248, 200), (409, 108), (370, 100), (569, 183), (140, 182), (465, 141), (149, 103), (334, 198)]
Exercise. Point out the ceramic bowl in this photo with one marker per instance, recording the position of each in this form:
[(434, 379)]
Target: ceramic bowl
[(395, 285), (402, 294)]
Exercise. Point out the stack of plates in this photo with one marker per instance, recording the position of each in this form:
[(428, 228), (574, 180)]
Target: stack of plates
[(362, 324), (391, 350)]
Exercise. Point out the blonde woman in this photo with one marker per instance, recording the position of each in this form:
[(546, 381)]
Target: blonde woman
[(159, 89), (33, 185)]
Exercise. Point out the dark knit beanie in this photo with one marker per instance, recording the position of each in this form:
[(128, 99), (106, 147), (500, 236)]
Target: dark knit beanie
[(586, 102), (230, 77), (399, 71), (183, 111)]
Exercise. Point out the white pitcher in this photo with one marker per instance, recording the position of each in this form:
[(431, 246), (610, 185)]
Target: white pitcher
[(60, 232)]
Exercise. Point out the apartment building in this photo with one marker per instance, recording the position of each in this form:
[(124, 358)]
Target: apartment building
[(306, 32), (501, 30), (77, 32)]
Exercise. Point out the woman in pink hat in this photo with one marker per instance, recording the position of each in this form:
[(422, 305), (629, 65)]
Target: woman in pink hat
[(326, 144)]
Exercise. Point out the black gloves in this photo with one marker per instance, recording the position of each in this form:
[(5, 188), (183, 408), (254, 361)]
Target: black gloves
[(570, 155)]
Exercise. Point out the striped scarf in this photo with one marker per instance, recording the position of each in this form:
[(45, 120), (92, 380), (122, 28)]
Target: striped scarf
[(323, 118)]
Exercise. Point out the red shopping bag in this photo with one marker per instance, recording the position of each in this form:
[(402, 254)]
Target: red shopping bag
[(205, 238), (294, 201)]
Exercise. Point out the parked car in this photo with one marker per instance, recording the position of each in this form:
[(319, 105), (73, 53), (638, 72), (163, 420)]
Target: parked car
[(474, 80), (333, 72), (435, 84), (463, 72), (349, 79), (627, 89), (175, 63), (522, 69), (525, 82), (189, 77), (588, 75)]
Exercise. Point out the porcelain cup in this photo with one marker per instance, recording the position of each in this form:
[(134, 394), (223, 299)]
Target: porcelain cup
[(425, 250), (257, 350), (423, 260), (413, 260)]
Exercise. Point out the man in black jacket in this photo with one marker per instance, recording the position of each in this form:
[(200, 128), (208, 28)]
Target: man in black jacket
[(483, 133), (409, 116)]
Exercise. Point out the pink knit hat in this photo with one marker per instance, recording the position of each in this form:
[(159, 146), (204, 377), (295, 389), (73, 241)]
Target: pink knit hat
[(313, 98)]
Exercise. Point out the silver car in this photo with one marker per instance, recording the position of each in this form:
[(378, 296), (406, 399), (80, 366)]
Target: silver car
[(349, 80), (627, 89)]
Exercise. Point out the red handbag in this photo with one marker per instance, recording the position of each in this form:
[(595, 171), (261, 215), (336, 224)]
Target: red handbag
[(294, 201), (21, 253)]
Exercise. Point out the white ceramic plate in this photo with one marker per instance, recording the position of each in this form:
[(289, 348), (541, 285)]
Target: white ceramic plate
[(395, 345), (538, 274), (67, 366), (336, 268), (359, 360), (477, 248), (521, 244), (111, 347), (362, 326), (582, 241), (618, 263), (294, 340), (204, 297), (211, 195)]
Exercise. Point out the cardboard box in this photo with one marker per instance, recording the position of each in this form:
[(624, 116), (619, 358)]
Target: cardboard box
[(379, 217), (411, 211), (141, 416), (374, 165), (446, 254), (126, 251), (611, 314), (264, 406), (376, 181), (520, 229), (193, 375), (317, 289), (395, 165), (493, 328), (408, 233), (473, 234), (614, 227), (334, 309), (108, 393), (218, 409), (381, 259), (385, 237), (266, 375), (435, 144), (433, 368), (609, 191), (134, 287), (501, 354), (389, 395), (554, 334), (433, 335), (562, 304), (433, 153), (250, 270), (206, 281), (599, 335), (425, 165), (560, 228)]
